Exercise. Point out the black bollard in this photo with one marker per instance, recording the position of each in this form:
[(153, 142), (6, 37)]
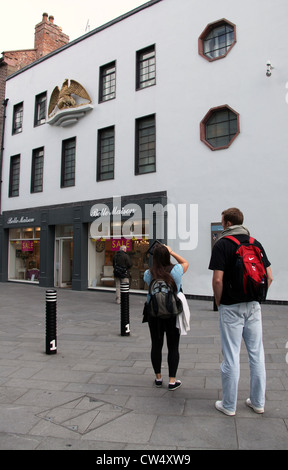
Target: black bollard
[(125, 326), (51, 321)]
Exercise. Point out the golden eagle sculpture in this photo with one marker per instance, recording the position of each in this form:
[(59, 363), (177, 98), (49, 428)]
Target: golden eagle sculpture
[(63, 98)]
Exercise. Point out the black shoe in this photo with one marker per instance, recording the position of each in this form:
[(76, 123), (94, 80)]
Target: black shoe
[(177, 384), (158, 383)]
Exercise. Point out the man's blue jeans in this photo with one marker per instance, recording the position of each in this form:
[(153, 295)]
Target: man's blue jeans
[(237, 321)]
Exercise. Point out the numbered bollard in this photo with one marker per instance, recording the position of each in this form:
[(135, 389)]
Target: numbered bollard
[(124, 310), (51, 321)]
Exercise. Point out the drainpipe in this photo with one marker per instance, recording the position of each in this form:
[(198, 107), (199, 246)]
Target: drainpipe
[(4, 103)]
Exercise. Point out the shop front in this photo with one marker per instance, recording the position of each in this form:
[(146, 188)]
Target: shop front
[(128, 221), (37, 246), (73, 245)]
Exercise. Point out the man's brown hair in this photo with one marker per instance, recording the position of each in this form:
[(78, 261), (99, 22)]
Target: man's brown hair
[(233, 215)]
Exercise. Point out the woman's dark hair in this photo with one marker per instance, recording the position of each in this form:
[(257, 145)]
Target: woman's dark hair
[(162, 265)]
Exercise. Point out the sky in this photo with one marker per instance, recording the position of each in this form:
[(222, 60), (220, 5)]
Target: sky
[(75, 17)]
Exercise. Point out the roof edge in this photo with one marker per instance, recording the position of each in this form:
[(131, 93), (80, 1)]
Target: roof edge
[(87, 35)]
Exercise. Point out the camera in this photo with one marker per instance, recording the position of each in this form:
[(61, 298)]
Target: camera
[(269, 68)]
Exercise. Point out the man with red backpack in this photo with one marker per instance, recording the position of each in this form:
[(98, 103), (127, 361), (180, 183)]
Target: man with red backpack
[(241, 278)]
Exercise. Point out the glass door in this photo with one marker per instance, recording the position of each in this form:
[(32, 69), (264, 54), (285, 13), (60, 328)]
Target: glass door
[(63, 262)]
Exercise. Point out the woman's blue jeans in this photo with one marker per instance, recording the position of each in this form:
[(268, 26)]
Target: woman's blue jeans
[(237, 321)]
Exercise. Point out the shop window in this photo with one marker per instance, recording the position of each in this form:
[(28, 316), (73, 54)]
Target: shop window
[(17, 118), (217, 40), (24, 254), (101, 252), (68, 163), (40, 109), (14, 179), (105, 158), (145, 157), (220, 127), (145, 68), (37, 170), (107, 90)]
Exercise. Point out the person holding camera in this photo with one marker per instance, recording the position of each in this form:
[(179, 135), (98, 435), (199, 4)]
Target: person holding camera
[(162, 268)]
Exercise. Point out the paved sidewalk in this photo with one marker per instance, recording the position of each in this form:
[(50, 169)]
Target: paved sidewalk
[(97, 391)]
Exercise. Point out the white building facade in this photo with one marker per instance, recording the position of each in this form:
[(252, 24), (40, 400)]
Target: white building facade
[(182, 118)]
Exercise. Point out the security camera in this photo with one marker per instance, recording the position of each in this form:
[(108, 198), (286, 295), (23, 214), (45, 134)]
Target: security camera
[(269, 68)]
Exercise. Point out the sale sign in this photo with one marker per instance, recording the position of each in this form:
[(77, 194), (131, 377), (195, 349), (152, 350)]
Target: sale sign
[(116, 243), (28, 245)]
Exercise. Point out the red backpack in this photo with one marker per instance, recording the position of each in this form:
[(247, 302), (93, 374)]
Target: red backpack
[(249, 277)]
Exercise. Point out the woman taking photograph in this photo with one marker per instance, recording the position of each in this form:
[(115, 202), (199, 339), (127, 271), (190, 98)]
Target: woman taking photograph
[(162, 268)]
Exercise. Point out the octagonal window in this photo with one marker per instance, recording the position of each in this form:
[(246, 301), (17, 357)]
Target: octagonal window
[(220, 127), (217, 40)]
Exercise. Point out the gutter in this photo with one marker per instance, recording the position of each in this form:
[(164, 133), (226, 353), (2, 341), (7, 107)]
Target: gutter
[(4, 103)]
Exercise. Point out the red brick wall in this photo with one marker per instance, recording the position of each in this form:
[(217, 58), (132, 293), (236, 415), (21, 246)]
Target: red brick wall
[(16, 60), (48, 36)]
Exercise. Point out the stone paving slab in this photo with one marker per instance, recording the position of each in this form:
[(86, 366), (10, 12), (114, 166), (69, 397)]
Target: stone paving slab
[(97, 392)]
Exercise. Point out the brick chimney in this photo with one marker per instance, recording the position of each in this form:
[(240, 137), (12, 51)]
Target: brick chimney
[(48, 36)]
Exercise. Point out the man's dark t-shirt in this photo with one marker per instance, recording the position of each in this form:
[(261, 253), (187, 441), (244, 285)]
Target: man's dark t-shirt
[(223, 259)]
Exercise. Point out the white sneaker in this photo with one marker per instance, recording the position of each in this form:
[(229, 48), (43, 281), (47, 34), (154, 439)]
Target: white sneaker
[(219, 406), (254, 408)]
